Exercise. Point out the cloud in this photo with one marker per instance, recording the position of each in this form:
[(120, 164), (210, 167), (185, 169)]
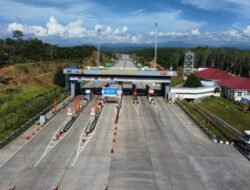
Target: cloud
[(136, 39), (54, 28), (246, 30), (76, 30), (195, 32), (241, 7)]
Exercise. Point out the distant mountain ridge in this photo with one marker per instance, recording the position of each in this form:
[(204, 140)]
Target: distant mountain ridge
[(172, 44)]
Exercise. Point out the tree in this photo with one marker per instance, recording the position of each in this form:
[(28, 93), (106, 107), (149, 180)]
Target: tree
[(60, 78), (193, 81), (17, 34)]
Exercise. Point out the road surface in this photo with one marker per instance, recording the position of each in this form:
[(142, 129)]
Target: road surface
[(155, 148)]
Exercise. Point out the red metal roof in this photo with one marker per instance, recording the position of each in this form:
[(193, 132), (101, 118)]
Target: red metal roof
[(239, 83), (213, 74)]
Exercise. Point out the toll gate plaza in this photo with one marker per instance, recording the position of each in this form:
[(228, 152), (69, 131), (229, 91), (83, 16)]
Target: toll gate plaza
[(75, 76)]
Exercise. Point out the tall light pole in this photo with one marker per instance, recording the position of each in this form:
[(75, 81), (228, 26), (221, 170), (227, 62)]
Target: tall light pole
[(98, 62), (156, 39)]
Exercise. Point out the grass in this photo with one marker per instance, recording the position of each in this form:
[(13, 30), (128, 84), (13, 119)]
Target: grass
[(213, 128), (16, 97), (228, 111), (176, 81), (22, 104)]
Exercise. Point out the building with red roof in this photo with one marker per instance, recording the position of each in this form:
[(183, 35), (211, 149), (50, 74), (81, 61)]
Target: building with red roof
[(212, 74), (235, 87)]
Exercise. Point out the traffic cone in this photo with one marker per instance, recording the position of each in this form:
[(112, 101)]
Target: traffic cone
[(55, 187), (57, 136), (9, 187)]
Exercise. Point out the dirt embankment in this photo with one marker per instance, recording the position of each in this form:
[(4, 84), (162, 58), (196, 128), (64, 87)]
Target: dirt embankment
[(29, 75), (152, 64)]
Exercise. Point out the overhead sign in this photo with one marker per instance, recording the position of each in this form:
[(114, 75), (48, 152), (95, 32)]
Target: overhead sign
[(87, 91), (109, 91)]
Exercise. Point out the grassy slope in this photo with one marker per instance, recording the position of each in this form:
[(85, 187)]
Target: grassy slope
[(214, 129), (229, 112)]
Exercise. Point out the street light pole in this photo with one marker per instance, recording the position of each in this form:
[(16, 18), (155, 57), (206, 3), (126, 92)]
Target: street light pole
[(156, 38), (98, 62)]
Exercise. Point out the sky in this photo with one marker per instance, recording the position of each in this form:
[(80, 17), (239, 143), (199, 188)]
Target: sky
[(76, 22)]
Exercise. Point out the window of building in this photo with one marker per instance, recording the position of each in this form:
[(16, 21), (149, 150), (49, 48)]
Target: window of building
[(239, 93)]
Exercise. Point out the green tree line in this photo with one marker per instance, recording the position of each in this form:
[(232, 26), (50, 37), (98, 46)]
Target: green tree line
[(17, 50), (232, 60)]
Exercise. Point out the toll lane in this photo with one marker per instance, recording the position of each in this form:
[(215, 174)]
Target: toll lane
[(182, 160), (51, 168), (131, 166), (27, 156), (91, 170)]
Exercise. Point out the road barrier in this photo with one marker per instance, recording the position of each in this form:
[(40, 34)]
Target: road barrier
[(30, 122), (202, 126), (236, 133)]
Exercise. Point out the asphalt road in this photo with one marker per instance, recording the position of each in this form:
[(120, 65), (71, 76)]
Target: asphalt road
[(183, 160), (20, 170), (154, 149)]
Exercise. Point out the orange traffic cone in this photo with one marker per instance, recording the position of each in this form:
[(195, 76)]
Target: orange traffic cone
[(55, 187), (9, 187)]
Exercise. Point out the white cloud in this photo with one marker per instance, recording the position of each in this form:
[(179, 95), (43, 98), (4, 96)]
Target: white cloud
[(241, 7), (135, 39), (38, 31), (195, 32), (15, 26), (246, 30), (54, 28), (75, 30)]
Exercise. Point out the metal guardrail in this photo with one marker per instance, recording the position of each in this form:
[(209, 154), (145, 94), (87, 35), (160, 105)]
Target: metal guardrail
[(220, 122), (200, 124), (30, 122)]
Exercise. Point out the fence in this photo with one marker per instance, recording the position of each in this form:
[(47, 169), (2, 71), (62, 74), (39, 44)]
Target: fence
[(200, 124), (30, 122), (236, 133)]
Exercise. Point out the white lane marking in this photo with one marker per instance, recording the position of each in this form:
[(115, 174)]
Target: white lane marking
[(156, 108), (48, 148), (13, 154), (184, 124), (97, 124), (80, 147)]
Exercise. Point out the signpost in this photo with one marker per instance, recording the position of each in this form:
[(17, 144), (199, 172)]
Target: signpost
[(92, 111)]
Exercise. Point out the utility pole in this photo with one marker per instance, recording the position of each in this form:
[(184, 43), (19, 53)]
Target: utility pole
[(98, 62), (156, 38)]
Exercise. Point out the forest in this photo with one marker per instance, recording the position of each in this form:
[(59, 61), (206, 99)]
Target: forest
[(17, 50), (234, 61)]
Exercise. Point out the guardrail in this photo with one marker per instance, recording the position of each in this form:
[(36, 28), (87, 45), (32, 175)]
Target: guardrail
[(200, 124), (30, 122), (236, 133)]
